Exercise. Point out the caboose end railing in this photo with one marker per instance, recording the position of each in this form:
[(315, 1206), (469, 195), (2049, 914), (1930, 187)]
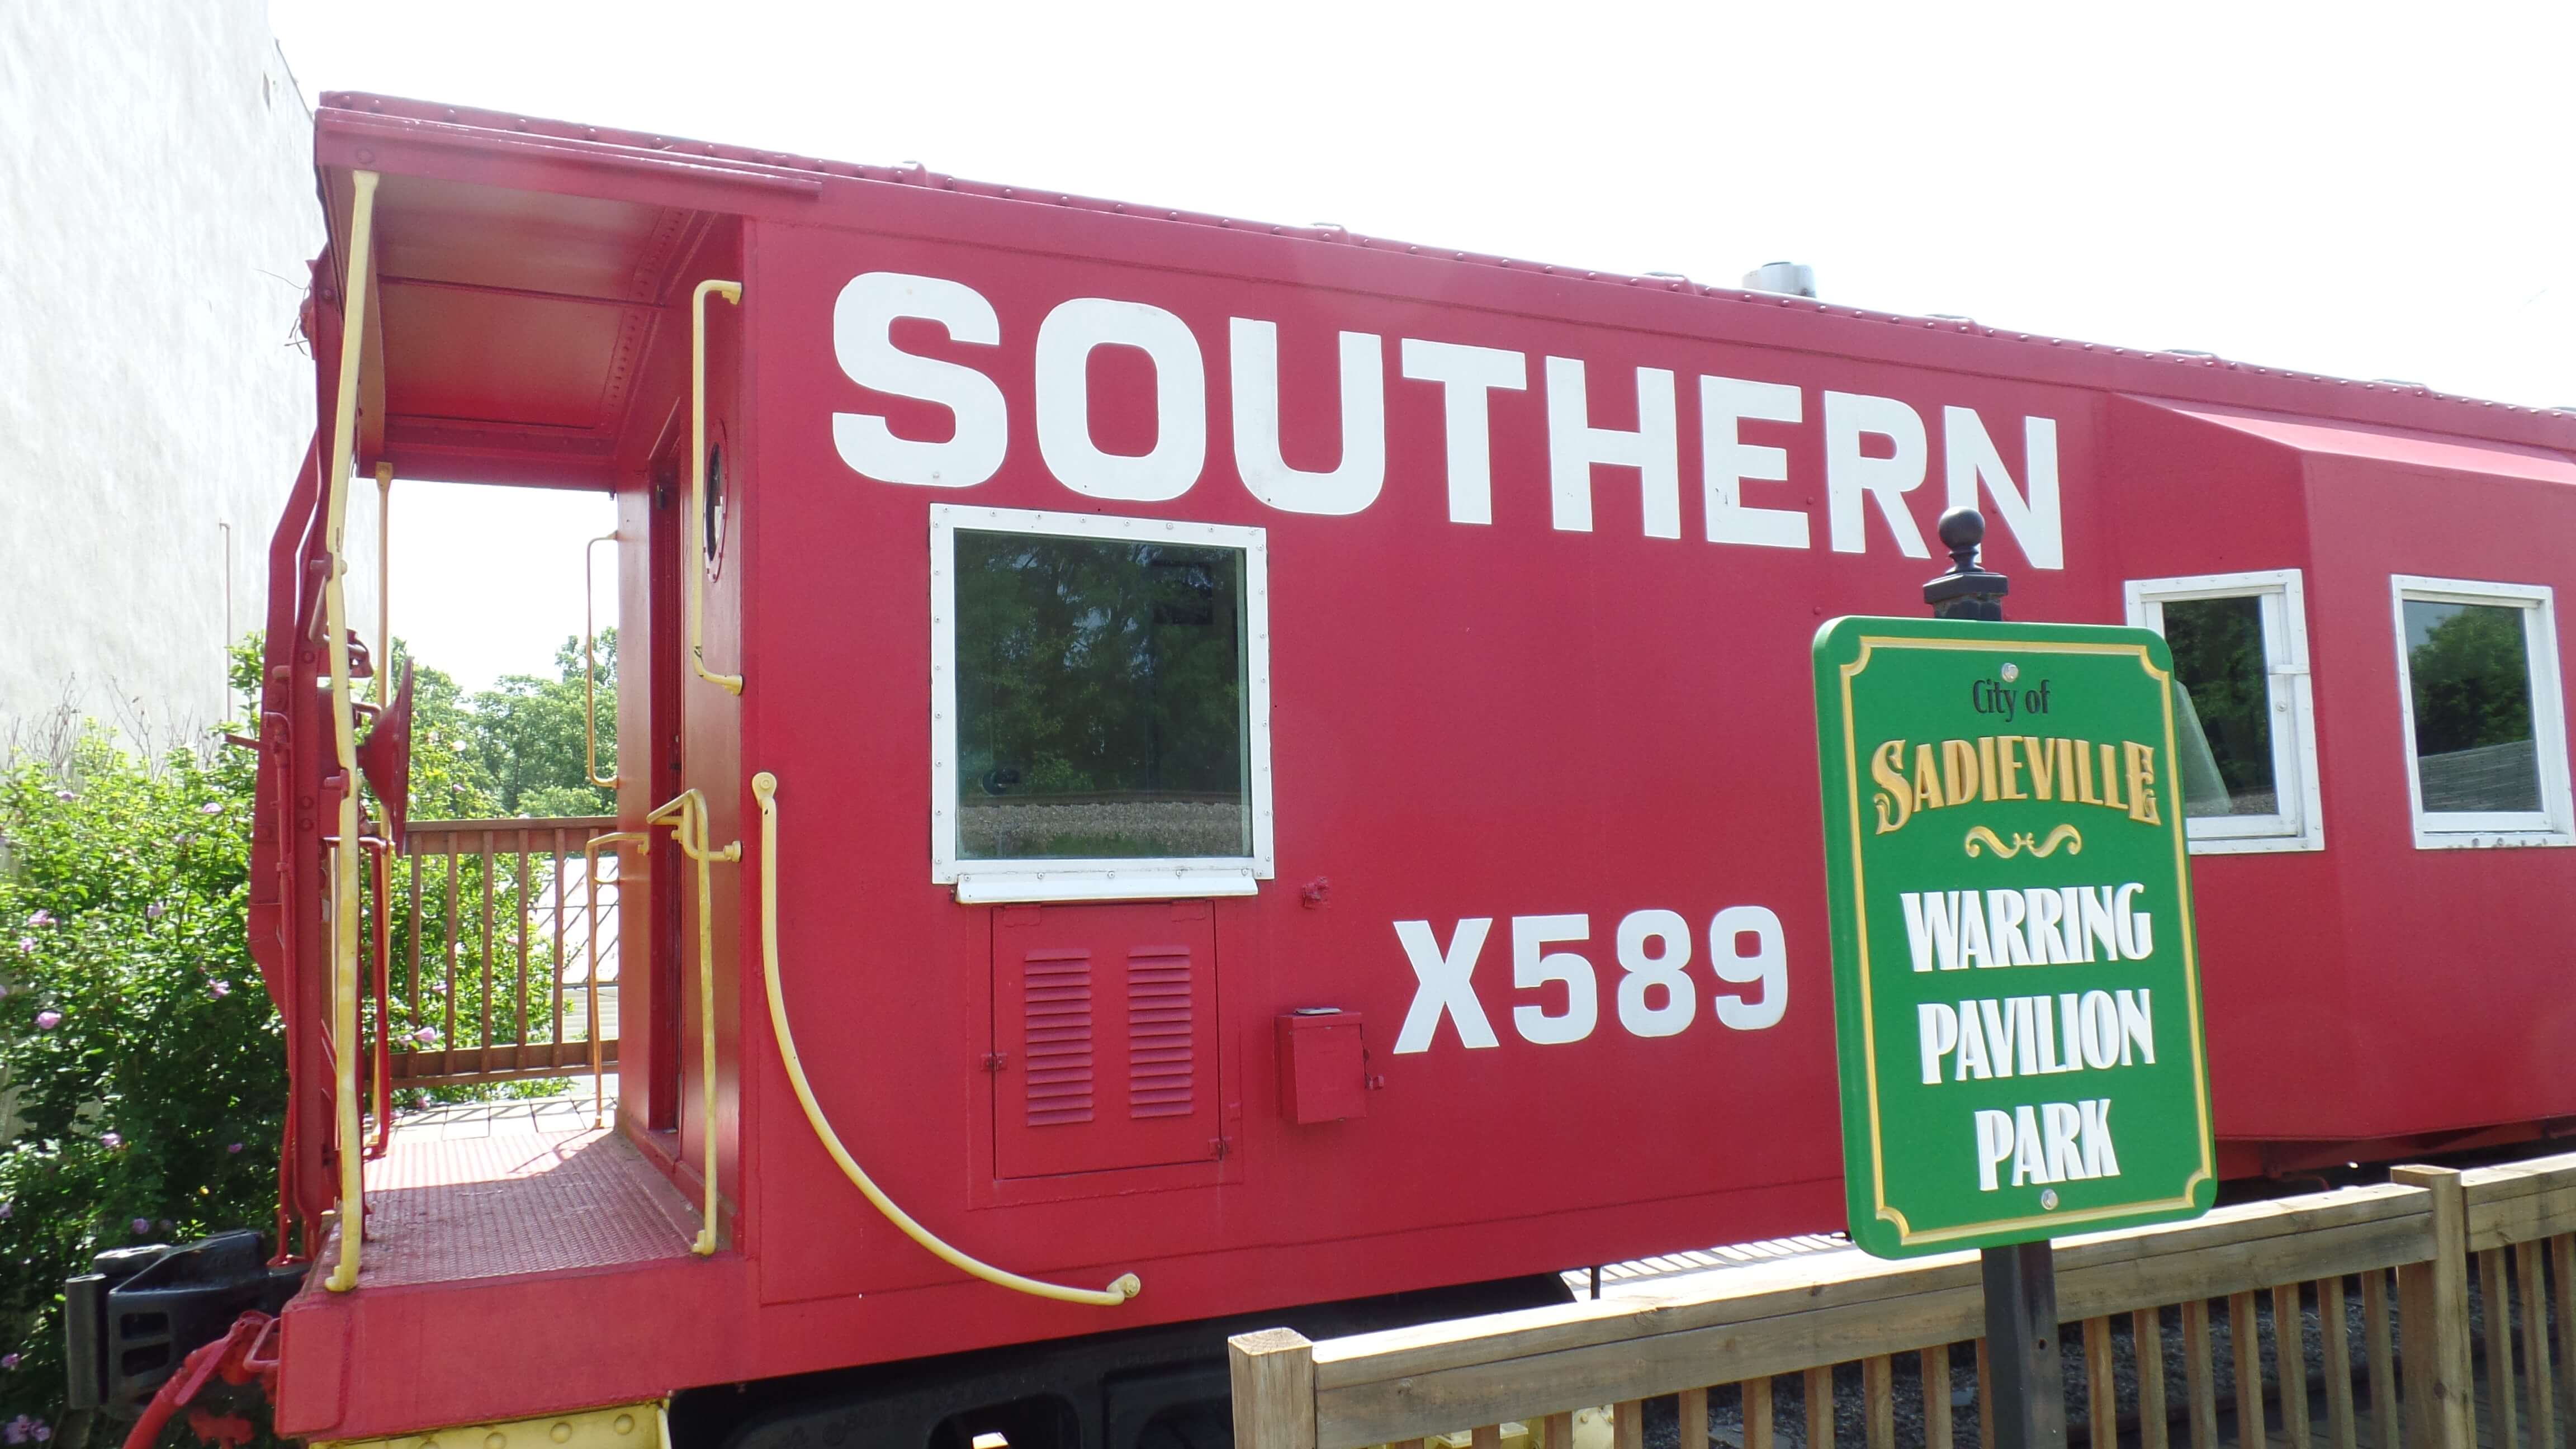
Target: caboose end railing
[(505, 952)]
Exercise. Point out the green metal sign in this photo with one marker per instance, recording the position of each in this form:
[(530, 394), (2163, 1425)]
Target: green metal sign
[(2016, 993)]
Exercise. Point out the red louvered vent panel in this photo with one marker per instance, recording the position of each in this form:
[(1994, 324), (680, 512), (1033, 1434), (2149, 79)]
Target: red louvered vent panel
[(1067, 981), (1161, 1067), (1055, 1002)]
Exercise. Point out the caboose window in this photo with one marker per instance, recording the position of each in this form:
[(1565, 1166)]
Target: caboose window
[(1098, 706), (2486, 728), (2245, 726)]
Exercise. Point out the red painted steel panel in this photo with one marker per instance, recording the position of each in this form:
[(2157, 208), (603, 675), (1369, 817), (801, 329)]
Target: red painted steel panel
[(1104, 1037), (535, 362)]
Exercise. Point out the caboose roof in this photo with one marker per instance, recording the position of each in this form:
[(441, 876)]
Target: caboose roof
[(524, 266)]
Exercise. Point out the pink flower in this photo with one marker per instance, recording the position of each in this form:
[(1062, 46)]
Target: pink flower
[(48, 1020), (42, 917), (142, 1226), (112, 1141), (6, 1209), (26, 945), (41, 1432), (65, 795), (210, 808), (236, 1147), (426, 1035), (155, 911), (8, 1360), (15, 1431), (221, 989)]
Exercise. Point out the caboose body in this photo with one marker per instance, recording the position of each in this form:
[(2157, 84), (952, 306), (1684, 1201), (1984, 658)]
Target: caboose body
[(1271, 767)]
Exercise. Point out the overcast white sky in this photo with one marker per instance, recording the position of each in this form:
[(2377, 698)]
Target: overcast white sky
[(2358, 189)]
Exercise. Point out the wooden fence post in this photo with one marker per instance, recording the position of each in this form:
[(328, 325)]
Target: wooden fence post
[(1274, 1389), (2433, 1315)]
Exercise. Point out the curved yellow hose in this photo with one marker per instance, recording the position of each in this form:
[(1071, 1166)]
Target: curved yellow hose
[(764, 787)]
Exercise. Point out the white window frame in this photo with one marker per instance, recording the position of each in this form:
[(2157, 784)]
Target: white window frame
[(2300, 822), (2551, 824), (982, 881)]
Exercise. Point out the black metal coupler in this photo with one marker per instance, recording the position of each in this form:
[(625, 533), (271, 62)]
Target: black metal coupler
[(137, 1313)]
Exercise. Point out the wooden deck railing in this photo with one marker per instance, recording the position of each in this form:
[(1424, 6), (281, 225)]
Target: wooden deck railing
[(1715, 1342), (494, 926)]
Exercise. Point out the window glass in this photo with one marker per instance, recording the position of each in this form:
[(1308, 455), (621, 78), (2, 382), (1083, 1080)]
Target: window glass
[(1100, 699), (2219, 665), (2469, 666)]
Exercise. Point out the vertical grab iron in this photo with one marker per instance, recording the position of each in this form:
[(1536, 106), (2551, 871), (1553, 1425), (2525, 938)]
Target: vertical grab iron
[(686, 815), (384, 577), (590, 670), (344, 732), (642, 840)]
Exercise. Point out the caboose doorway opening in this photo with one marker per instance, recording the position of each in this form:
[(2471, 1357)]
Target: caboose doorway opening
[(666, 545), (502, 897)]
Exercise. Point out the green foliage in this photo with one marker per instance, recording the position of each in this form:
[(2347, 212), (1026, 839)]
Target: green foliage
[(514, 749), (528, 732), (143, 1058), (145, 1071)]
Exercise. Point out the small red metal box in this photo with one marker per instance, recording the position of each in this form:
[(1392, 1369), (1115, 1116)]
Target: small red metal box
[(1323, 1066)]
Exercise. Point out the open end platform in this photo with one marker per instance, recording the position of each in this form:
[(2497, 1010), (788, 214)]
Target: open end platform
[(495, 1189)]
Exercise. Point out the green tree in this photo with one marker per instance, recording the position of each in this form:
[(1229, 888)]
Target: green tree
[(451, 779), (528, 733)]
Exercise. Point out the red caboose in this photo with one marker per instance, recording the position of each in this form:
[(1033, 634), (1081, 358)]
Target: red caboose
[(1180, 773)]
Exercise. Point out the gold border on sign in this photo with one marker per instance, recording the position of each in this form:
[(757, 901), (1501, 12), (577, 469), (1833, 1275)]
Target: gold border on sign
[(2207, 1170)]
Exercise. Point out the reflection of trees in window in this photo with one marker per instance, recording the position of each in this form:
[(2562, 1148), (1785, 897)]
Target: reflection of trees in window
[(2218, 657), (1100, 698), (2470, 672)]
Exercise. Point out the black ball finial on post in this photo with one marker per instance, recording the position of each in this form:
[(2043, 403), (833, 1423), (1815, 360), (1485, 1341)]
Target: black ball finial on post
[(1966, 591)]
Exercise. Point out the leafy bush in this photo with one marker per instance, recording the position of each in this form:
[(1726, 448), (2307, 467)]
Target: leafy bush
[(144, 1068), (147, 1080)]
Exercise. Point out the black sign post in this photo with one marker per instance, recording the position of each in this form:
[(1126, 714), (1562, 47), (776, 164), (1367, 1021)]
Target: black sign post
[(2028, 1408)]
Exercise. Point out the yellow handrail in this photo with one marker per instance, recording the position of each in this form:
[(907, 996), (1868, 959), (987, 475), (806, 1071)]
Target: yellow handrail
[(642, 840), (384, 577), (344, 735), (689, 828), (697, 565), (590, 672), (764, 788)]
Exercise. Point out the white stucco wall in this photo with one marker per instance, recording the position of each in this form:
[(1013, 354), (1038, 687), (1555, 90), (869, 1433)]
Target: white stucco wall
[(157, 211)]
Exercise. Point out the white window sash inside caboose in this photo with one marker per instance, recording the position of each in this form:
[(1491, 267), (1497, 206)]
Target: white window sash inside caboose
[(2534, 608), (980, 879), (2297, 822)]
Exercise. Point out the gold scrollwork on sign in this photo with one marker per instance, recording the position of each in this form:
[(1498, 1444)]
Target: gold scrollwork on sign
[(1980, 840)]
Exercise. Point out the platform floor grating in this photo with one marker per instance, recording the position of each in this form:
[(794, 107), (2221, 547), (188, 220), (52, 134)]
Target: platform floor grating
[(1643, 1272), (496, 1189)]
